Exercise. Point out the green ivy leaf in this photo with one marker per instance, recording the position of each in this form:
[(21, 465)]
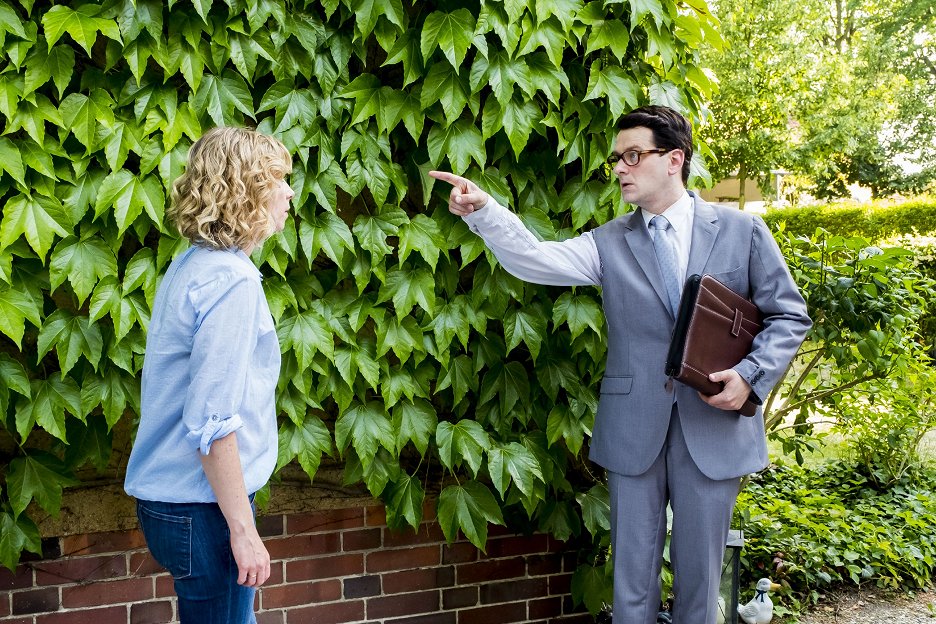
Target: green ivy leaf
[(404, 501), (89, 441), (509, 383), (460, 377), (469, 507), (366, 427), (38, 218), (82, 114), (525, 325), (83, 261), (17, 534), (460, 142), (72, 336), (307, 442), (452, 32), (113, 391), (16, 307), (443, 84), (401, 335), (47, 406), (579, 312), (10, 21), (326, 232), (39, 476), (463, 441), (221, 96), (372, 231), (560, 519), (56, 63), (415, 421), (306, 333), (614, 84), (423, 235), (513, 462), (596, 509), (642, 8), (129, 196), (563, 423), (609, 35), (406, 51), (82, 24), (13, 376), (592, 585), (407, 288), (11, 161)]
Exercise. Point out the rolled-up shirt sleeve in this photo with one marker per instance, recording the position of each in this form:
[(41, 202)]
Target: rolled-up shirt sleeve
[(226, 327), (572, 262)]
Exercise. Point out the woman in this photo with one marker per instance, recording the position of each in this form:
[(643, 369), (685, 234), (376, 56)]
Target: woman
[(207, 438)]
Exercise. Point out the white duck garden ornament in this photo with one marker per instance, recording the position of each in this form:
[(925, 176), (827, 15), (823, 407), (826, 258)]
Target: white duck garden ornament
[(760, 609)]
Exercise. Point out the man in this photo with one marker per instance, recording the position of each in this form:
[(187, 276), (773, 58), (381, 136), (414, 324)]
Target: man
[(662, 442)]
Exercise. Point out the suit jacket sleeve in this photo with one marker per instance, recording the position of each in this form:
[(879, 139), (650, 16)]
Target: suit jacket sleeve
[(784, 313)]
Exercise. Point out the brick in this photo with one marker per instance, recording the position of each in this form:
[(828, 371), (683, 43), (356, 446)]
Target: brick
[(304, 546), (334, 613), (271, 617), (376, 515), (484, 571), (511, 591), (49, 547), (276, 573), (402, 604), (364, 539), (414, 580), (143, 564), (542, 565), (499, 614), (459, 552), (429, 510), (271, 526), (4, 604), (151, 612), (362, 586), (107, 593), (35, 601), (516, 545), (574, 619), (19, 620), (165, 586), (21, 578), (560, 584), (326, 520), (545, 607), (432, 618), (98, 543), (109, 615), (426, 534), (81, 570), (421, 556), (295, 594), (459, 597), (324, 567)]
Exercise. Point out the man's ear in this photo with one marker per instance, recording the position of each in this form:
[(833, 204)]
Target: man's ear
[(676, 160)]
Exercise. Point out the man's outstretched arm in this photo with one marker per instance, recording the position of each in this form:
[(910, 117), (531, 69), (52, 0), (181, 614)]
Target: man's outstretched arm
[(572, 262)]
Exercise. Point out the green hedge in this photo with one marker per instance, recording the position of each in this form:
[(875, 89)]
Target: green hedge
[(875, 221)]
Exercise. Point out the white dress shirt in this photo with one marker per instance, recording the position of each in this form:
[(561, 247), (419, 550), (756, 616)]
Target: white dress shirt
[(572, 262)]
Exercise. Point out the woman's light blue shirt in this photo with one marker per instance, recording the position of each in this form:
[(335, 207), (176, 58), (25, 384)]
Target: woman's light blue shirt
[(211, 366)]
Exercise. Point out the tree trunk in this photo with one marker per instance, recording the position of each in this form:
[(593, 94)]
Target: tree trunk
[(742, 179)]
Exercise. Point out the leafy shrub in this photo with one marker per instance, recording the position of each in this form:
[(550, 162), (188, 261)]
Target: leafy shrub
[(875, 221), (810, 529)]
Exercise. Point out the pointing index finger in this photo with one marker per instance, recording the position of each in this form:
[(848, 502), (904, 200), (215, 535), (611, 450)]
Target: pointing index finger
[(451, 178)]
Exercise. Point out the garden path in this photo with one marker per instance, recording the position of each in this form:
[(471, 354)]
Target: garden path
[(873, 607)]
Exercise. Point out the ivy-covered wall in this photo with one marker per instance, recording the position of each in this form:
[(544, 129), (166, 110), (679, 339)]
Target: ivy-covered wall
[(408, 353)]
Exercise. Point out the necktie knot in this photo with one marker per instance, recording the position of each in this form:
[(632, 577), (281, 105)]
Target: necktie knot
[(660, 223)]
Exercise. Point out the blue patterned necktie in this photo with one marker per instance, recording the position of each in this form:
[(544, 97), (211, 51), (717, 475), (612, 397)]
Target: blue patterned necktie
[(665, 250)]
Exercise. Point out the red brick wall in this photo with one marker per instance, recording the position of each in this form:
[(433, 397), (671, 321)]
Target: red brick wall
[(329, 567)]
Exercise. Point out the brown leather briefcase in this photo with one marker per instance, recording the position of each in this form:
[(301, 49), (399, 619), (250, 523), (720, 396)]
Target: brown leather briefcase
[(714, 330)]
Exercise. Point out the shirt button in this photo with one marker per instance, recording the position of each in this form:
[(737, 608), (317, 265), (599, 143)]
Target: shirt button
[(214, 417)]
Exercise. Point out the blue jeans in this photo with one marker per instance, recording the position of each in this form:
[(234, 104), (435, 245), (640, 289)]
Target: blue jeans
[(193, 542)]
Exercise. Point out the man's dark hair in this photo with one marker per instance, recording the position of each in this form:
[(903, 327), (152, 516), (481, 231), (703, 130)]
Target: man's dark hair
[(670, 129)]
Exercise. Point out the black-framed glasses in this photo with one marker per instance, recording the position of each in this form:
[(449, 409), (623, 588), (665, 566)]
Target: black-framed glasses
[(631, 158)]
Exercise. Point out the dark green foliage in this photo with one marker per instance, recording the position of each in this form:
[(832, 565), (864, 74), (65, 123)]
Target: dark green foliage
[(874, 221), (810, 529)]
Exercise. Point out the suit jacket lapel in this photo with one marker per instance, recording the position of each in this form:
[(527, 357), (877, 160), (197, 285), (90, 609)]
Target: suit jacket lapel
[(638, 238), (704, 231)]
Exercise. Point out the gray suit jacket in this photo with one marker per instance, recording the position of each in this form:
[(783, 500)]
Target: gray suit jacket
[(635, 405)]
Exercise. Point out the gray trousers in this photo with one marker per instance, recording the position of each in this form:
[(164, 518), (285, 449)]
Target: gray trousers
[(702, 510)]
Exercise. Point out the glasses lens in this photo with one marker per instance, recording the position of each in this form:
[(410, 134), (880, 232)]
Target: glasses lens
[(631, 158)]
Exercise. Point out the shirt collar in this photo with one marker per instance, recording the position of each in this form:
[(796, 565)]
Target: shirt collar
[(679, 214)]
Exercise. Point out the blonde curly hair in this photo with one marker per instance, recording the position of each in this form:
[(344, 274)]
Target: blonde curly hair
[(222, 200)]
